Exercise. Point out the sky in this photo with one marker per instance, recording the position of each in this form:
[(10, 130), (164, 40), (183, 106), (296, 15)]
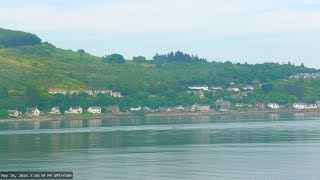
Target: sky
[(253, 31)]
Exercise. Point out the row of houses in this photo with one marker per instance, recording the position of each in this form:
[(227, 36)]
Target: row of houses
[(56, 111), (89, 92), (231, 88), (305, 76)]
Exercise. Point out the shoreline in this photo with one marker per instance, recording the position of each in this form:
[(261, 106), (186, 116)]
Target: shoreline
[(150, 115)]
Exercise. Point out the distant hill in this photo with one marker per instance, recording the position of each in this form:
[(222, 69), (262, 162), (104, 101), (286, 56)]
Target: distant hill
[(11, 39), (42, 65)]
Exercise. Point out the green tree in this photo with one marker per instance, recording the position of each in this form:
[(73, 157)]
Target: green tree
[(113, 59), (3, 113), (32, 96), (4, 93), (139, 59)]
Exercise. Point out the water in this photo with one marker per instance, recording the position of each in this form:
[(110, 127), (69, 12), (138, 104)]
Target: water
[(265, 146)]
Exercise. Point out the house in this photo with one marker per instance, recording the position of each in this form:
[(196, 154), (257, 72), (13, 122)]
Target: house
[(248, 88), (136, 109), (52, 91), (233, 89), (299, 105), (216, 88), (55, 111), (73, 92), (203, 88), (102, 92), (14, 113), (273, 105), (74, 110), (259, 105), (33, 112), (179, 109), (199, 93), (222, 105), (203, 108), (318, 104), (94, 110), (114, 109), (239, 105), (89, 92), (116, 94)]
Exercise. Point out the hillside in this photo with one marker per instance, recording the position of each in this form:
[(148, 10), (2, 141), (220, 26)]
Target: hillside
[(10, 38), (44, 67)]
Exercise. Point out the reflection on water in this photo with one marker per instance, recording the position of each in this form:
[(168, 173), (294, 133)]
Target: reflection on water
[(286, 144)]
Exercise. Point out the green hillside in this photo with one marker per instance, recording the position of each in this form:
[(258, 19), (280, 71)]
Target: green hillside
[(9, 38), (44, 67)]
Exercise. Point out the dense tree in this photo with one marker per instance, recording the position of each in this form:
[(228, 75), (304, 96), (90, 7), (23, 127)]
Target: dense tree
[(113, 59), (178, 56), (139, 59), (4, 93), (10, 39)]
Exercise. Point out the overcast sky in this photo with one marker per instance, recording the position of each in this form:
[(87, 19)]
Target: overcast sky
[(251, 31)]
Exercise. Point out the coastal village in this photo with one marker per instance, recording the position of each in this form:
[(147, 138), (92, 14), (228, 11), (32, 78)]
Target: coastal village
[(220, 105)]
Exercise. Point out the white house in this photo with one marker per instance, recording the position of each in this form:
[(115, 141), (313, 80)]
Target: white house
[(53, 91), (234, 89), (203, 88), (248, 88), (14, 113), (33, 112), (74, 110), (273, 105), (299, 105), (94, 110), (55, 111), (116, 94), (102, 92), (88, 92), (136, 109), (216, 88)]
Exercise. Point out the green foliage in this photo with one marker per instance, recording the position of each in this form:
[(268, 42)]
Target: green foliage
[(4, 93), (10, 39), (113, 59), (28, 72), (178, 56), (3, 114), (139, 59)]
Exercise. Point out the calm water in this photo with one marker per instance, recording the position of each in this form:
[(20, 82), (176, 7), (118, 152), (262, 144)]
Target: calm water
[(269, 146)]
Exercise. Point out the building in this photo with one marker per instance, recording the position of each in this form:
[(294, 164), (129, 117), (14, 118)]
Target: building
[(116, 94), (14, 113), (259, 105), (239, 105), (74, 110), (114, 109), (300, 105), (102, 92), (89, 92), (94, 110), (233, 89), (248, 88), (33, 112), (55, 111), (222, 105), (203, 108), (318, 103), (273, 105), (216, 88), (203, 88), (136, 109), (52, 91)]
